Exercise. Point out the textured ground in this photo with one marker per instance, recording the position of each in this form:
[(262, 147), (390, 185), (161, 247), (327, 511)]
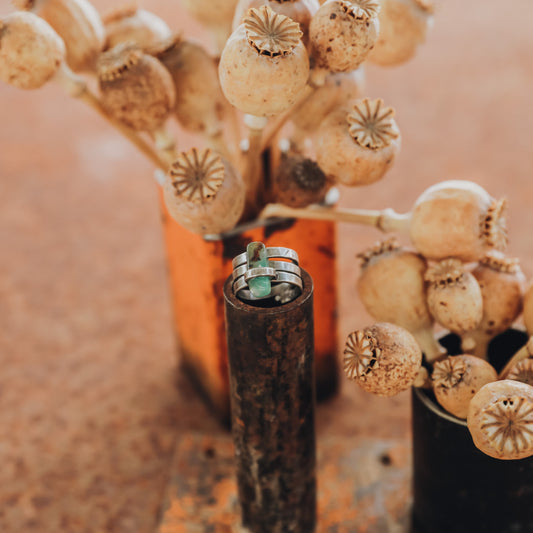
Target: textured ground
[(89, 409)]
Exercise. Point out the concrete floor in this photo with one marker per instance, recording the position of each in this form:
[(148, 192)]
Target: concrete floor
[(89, 408)]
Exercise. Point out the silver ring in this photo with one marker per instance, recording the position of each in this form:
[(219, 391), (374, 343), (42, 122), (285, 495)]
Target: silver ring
[(285, 276), (281, 277), (273, 252)]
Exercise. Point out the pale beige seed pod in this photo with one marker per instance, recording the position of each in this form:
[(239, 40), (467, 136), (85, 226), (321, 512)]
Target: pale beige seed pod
[(264, 65), (403, 26), (138, 26), (528, 307), (525, 352), (456, 380), (199, 100), (300, 11), (502, 288), (459, 219), (338, 89), (31, 52), (298, 182), (522, 371), (383, 359), (217, 15), (357, 146), (342, 33), (500, 419), (453, 295), (391, 287), (135, 87), (203, 192), (79, 25)]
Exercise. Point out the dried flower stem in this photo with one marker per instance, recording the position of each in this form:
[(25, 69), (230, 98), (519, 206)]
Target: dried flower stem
[(317, 79), (385, 220), (76, 87), (252, 174)]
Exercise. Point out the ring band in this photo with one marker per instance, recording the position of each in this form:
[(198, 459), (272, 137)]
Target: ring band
[(273, 252), (285, 276)]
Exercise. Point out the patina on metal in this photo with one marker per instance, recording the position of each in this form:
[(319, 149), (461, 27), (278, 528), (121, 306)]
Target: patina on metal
[(270, 349)]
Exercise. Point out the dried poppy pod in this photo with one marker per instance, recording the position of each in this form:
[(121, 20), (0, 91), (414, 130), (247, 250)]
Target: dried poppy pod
[(522, 371), (203, 192), (528, 308), (384, 359), (403, 25), (456, 380), (338, 88), (457, 219), (199, 99), (31, 52), (135, 87), (453, 295), (300, 11), (500, 419), (357, 147), (502, 287), (392, 288), (217, 15), (264, 64), (131, 24), (298, 182), (79, 25), (343, 32)]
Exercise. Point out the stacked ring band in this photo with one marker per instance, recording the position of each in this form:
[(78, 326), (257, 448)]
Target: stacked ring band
[(285, 276)]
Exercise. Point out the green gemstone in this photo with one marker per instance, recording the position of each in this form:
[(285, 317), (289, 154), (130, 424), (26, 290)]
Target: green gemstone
[(256, 256)]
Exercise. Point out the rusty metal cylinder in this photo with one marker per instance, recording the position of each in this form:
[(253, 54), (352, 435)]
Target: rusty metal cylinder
[(270, 350)]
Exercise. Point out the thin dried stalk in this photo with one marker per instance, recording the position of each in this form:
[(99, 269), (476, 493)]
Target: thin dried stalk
[(385, 220)]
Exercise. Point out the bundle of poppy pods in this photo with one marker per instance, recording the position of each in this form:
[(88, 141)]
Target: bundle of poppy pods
[(457, 277), (294, 63)]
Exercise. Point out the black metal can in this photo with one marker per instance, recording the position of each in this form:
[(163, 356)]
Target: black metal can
[(272, 387), (457, 488)]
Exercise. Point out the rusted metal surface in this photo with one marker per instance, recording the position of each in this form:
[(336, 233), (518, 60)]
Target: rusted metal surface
[(198, 270), (272, 391), (363, 486)]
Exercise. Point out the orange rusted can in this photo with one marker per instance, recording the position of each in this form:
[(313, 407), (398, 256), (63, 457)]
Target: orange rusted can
[(198, 269)]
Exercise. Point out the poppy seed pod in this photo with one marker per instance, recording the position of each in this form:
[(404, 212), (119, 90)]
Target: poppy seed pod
[(456, 380), (522, 371), (31, 52), (528, 308), (384, 359), (300, 11), (135, 87), (79, 25), (500, 419), (338, 88), (502, 287), (457, 219), (298, 182), (264, 64), (199, 100), (403, 25), (343, 32), (391, 287), (453, 295), (138, 26), (203, 192), (357, 147)]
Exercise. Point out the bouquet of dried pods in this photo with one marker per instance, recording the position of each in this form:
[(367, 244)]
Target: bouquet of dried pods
[(294, 63), (458, 278)]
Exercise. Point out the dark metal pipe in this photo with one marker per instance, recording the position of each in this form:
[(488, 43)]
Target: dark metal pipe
[(457, 488), (270, 350)]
